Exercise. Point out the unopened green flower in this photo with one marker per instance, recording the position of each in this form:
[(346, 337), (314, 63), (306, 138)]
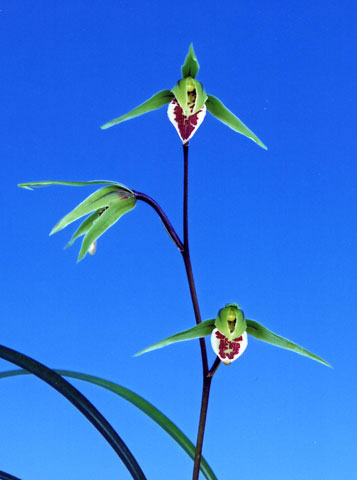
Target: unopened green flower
[(188, 103)]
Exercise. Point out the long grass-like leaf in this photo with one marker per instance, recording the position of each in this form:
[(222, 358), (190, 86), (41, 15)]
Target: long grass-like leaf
[(262, 333), (156, 101), (139, 402), (80, 402), (7, 476)]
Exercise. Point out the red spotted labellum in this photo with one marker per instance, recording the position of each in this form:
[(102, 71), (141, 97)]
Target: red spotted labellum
[(228, 350), (186, 126)]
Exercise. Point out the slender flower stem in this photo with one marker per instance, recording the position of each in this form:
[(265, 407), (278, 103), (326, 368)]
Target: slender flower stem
[(184, 248), (168, 225), (206, 379), (187, 260)]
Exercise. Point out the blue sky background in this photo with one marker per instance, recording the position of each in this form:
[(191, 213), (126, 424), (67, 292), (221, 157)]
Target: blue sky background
[(273, 231)]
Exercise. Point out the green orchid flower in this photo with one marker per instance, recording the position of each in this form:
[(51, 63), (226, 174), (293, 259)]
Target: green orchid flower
[(229, 336), (188, 103)]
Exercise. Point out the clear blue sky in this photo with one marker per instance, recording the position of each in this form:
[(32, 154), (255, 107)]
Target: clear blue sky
[(273, 231)]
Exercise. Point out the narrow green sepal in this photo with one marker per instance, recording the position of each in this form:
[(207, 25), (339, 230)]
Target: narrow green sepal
[(105, 221), (261, 333), (47, 183), (218, 110), (201, 330), (84, 227), (230, 321), (191, 66), (102, 198), (156, 101)]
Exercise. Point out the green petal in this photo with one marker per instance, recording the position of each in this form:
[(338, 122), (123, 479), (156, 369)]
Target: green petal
[(190, 67), (218, 110), (262, 333), (104, 197), (105, 221), (201, 330), (155, 102), (180, 93), (201, 96), (139, 402)]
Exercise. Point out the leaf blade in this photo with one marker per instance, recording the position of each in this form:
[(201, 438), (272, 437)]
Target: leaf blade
[(156, 101), (146, 407), (221, 112), (257, 330), (82, 404), (201, 330)]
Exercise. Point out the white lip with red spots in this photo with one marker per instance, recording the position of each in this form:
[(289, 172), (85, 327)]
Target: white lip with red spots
[(186, 126), (228, 350)]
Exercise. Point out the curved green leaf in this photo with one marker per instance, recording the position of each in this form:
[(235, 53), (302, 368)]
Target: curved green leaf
[(191, 66), (262, 333), (139, 402), (82, 404), (7, 476), (105, 221), (156, 101), (30, 185), (218, 110), (201, 330)]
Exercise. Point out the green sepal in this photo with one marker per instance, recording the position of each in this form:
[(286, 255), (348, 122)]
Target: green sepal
[(218, 110), (230, 321), (182, 91), (104, 197), (105, 221), (47, 183), (191, 66), (201, 330), (84, 227), (156, 101), (261, 333)]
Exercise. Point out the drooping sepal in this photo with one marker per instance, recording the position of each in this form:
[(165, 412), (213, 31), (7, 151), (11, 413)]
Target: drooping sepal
[(199, 331), (228, 350), (191, 66), (156, 101), (261, 333), (105, 207), (218, 110)]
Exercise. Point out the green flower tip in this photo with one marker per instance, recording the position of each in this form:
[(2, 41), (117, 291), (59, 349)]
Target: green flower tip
[(191, 66)]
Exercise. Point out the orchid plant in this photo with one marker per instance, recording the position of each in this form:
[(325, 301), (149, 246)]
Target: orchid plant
[(187, 105)]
